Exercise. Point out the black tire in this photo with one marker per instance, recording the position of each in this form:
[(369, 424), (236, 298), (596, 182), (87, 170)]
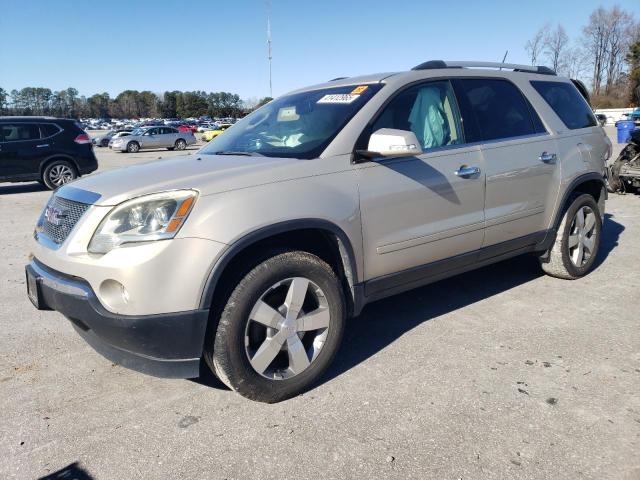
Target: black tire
[(226, 353), (104, 143), (133, 147), (557, 261), (58, 173), (180, 144)]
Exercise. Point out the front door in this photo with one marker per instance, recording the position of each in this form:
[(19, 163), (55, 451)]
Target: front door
[(21, 150), (423, 209)]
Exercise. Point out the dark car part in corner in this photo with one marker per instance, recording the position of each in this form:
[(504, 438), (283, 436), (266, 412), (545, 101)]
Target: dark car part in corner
[(624, 173)]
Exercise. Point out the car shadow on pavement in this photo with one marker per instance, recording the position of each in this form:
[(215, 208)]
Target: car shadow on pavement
[(611, 231), (71, 472), (13, 189), (383, 322)]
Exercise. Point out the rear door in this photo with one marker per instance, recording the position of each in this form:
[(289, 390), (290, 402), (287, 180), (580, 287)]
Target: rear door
[(21, 150), (171, 135), (521, 160)]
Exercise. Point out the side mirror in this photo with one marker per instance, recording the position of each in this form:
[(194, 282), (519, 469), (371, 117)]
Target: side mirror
[(389, 142)]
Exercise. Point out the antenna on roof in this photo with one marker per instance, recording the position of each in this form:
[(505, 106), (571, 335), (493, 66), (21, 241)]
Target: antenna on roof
[(269, 45), (505, 56)]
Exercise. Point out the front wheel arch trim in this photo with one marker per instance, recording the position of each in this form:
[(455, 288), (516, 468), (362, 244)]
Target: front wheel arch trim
[(344, 245)]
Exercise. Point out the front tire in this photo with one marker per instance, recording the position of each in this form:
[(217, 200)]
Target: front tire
[(280, 329), (58, 173), (575, 248), (133, 147)]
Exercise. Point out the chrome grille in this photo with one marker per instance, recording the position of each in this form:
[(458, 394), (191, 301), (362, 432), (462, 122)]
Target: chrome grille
[(59, 217)]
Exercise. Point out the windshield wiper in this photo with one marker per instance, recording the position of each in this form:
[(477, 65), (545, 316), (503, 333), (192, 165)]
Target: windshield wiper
[(239, 152)]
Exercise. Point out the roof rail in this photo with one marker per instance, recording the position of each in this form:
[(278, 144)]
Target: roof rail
[(433, 64)]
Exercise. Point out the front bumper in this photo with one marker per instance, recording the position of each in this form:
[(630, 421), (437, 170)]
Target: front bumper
[(163, 345)]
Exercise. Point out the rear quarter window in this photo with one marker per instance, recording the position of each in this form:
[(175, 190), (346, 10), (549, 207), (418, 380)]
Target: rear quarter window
[(48, 130), (567, 103)]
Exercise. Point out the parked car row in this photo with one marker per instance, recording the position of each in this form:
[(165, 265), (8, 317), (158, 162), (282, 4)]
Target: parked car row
[(153, 137)]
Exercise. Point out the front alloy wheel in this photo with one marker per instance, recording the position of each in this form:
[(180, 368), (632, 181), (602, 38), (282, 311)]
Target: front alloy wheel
[(287, 328), (280, 329)]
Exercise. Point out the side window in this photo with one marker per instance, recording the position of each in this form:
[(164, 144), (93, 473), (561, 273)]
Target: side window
[(171, 130), (19, 132), (493, 109), (48, 130), (429, 110), (567, 102)]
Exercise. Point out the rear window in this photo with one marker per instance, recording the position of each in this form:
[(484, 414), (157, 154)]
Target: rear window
[(567, 102), (494, 109), (19, 132), (48, 130)]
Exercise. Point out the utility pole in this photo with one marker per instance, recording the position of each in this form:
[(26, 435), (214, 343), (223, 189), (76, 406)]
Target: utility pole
[(269, 45)]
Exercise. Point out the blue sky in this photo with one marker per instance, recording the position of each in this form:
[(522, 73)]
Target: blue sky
[(221, 46)]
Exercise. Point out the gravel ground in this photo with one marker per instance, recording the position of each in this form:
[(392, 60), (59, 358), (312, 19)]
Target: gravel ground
[(499, 373)]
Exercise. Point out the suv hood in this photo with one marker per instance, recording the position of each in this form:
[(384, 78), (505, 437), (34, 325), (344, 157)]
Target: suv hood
[(208, 174)]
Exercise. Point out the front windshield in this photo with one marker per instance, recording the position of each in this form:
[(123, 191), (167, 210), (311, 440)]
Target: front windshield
[(138, 131), (300, 125)]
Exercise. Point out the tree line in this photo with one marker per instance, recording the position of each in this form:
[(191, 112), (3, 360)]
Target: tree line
[(606, 55), (127, 104)]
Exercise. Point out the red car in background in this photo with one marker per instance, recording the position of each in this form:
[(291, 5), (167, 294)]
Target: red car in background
[(188, 128)]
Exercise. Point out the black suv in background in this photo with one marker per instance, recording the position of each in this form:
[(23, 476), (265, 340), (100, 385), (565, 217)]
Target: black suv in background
[(53, 151)]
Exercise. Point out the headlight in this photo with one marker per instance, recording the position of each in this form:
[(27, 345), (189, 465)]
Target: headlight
[(152, 217)]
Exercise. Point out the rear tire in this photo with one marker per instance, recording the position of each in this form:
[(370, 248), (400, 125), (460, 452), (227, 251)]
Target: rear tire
[(575, 248), (266, 346), (180, 144), (58, 173)]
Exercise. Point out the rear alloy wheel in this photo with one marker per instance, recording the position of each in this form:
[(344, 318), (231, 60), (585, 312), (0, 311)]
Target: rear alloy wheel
[(280, 329), (133, 147), (58, 173), (180, 144), (577, 240)]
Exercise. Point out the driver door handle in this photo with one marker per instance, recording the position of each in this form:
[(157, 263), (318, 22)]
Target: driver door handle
[(548, 157), (42, 145), (465, 172)]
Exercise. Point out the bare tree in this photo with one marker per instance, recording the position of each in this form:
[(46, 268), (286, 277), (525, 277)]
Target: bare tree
[(573, 62), (596, 40), (534, 46), (555, 44), (621, 26)]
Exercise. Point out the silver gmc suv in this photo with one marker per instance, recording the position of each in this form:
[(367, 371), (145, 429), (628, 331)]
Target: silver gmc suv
[(253, 252)]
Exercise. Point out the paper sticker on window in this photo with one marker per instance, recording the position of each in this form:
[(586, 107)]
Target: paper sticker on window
[(338, 98), (288, 114), (359, 90)]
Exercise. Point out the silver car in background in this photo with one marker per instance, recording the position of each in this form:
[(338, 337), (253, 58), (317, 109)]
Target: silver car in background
[(153, 137)]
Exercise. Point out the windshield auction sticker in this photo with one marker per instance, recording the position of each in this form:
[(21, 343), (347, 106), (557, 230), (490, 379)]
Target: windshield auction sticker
[(359, 90), (338, 98)]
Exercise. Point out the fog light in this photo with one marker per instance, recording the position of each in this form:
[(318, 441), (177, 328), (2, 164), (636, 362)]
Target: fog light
[(114, 294)]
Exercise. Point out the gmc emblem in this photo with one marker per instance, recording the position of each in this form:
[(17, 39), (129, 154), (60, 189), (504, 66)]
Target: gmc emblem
[(54, 216)]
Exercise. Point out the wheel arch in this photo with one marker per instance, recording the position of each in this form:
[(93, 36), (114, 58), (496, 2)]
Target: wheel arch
[(320, 237), (590, 183), (58, 156)]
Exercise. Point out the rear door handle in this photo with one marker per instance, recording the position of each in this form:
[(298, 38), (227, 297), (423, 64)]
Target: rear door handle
[(43, 145), (548, 157), (466, 172)]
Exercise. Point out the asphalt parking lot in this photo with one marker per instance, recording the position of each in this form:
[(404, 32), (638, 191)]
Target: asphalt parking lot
[(495, 374)]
